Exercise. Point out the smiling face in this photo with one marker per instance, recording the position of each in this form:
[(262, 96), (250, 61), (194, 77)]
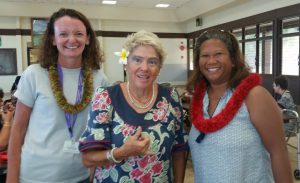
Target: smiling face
[(143, 67), (215, 62), (70, 38)]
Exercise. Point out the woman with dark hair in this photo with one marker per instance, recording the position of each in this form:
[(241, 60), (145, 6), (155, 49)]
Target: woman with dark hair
[(237, 134), (53, 97)]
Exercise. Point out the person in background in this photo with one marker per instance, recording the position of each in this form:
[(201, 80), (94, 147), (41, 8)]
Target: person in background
[(284, 98), (237, 132), (285, 101), (135, 128), (6, 114), (53, 99)]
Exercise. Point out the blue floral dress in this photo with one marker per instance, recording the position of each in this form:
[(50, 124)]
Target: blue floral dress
[(111, 120)]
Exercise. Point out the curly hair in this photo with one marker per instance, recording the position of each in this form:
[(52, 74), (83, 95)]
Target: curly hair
[(239, 72), (92, 57), (143, 38)]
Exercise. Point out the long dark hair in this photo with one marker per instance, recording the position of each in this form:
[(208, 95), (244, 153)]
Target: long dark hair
[(240, 69), (48, 53)]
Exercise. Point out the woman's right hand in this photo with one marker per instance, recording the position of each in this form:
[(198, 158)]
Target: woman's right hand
[(135, 145)]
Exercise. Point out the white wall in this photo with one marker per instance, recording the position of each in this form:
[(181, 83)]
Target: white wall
[(132, 26), (112, 68), (174, 69)]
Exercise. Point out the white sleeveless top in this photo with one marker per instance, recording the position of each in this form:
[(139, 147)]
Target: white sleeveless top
[(234, 154)]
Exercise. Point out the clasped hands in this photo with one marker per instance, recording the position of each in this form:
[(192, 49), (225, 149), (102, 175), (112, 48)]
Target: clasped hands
[(7, 113)]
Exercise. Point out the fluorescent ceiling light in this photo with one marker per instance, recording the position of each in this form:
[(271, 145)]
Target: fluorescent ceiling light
[(109, 2), (162, 5)]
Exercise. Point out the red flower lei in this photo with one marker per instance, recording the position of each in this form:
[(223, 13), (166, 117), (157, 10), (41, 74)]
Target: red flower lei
[(226, 115)]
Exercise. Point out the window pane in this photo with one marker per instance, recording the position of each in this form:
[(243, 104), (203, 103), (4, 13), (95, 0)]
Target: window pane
[(241, 45), (266, 29), (191, 54), (250, 32), (265, 56), (290, 55), (191, 43), (290, 25), (250, 52), (238, 33), (191, 66)]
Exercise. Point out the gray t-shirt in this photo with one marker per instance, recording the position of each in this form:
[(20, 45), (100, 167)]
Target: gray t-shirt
[(286, 101), (43, 158)]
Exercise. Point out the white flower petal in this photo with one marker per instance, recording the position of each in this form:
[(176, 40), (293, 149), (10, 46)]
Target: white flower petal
[(117, 53), (123, 56)]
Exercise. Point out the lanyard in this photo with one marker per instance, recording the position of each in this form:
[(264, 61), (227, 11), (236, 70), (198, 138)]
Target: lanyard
[(71, 117)]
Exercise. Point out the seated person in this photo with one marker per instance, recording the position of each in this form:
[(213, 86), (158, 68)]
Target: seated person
[(284, 100)]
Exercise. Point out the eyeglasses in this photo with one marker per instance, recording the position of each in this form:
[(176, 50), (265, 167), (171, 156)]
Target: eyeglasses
[(151, 62), (225, 36)]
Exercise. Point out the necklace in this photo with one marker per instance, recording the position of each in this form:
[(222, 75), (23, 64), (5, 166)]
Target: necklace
[(58, 92), (226, 115), (136, 103)]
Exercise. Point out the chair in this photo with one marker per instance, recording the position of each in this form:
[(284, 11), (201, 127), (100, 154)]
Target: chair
[(291, 124), (291, 117)]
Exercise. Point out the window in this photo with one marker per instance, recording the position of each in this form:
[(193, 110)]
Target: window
[(290, 46), (290, 25), (265, 48), (250, 32), (239, 36), (191, 54), (265, 56), (290, 55), (250, 54), (250, 46)]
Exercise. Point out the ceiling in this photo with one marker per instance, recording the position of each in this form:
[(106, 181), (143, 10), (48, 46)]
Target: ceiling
[(139, 10), (120, 3)]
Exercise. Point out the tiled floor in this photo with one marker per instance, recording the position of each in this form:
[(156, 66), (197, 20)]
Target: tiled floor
[(189, 175), (293, 156)]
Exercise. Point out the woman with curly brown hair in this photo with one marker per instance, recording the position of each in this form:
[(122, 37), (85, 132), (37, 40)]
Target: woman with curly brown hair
[(53, 97)]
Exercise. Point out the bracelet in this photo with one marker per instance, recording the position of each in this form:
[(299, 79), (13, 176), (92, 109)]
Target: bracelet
[(110, 156)]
